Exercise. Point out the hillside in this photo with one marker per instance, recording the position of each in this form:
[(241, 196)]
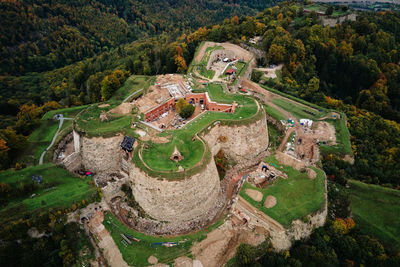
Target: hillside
[(48, 35), (217, 131)]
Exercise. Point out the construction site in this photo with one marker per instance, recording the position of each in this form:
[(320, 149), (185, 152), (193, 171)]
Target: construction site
[(161, 181)]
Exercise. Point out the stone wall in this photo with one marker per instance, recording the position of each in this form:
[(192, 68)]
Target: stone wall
[(177, 201), (240, 142), (73, 162), (101, 154), (77, 142), (282, 238)]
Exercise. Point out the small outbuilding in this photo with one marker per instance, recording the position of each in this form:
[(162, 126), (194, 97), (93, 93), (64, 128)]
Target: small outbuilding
[(127, 144), (230, 71)]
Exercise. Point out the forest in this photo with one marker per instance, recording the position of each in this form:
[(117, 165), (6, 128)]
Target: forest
[(51, 34)]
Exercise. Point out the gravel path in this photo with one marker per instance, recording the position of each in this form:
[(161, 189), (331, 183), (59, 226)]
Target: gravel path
[(54, 138)]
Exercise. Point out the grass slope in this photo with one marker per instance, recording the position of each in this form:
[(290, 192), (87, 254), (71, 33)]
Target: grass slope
[(58, 189), (138, 253), (133, 84), (296, 196), (376, 210), (89, 121), (298, 111), (342, 138), (41, 138), (274, 113)]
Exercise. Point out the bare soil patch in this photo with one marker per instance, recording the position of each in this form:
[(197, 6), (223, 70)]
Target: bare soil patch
[(183, 262), (311, 173), (271, 72), (324, 131), (288, 160), (240, 53), (270, 202), (254, 194), (103, 105), (152, 260), (124, 108), (220, 245)]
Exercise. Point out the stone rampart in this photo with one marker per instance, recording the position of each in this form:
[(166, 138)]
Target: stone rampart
[(101, 154), (240, 142), (176, 201), (73, 162)]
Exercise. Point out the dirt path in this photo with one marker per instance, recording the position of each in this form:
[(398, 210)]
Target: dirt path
[(258, 215), (271, 72), (106, 243), (221, 244), (285, 139)]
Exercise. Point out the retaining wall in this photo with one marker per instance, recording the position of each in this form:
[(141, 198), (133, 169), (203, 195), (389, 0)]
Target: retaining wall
[(176, 201), (240, 142), (101, 154)]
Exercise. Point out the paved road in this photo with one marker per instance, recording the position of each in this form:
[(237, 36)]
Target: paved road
[(61, 119)]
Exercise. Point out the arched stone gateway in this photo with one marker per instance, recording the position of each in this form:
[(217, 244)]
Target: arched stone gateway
[(176, 155)]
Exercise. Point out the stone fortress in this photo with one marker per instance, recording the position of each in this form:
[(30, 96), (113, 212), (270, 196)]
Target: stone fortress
[(170, 206), (176, 201)]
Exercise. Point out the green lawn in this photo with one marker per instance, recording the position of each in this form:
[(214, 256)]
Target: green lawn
[(296, 109), (342, 138), (296, 196), (67, 112), (209, 74), (138, 253), (41, 137), (58, 189), (89, 121), (274, 113), (241, 67), (133, 84), (157, 155), (376, 210)]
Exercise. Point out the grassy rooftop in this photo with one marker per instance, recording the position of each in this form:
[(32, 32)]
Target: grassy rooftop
[(296, 196), (156, 156), (89, 121)]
